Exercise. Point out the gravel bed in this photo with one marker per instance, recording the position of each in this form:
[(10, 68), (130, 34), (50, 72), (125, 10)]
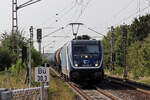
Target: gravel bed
[(125, 93)]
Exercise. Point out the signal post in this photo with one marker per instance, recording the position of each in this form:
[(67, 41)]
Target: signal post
[(125, 51), (112, 54), (39, 40)]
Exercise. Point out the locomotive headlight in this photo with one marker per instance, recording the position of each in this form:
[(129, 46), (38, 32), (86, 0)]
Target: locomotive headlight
[(86, 56), (96, 65), (76, 65)]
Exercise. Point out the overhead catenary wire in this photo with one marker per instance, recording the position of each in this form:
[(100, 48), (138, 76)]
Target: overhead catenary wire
[(123, 20), (53, 32), (45, 46), (98, 32), (27, 3), (54, 40), (65, 13), (58, 44), (115, 15), (83, 8), (62, 12), (48, 35), (127, 6), (74, 4), (123, 9), (126, 18)]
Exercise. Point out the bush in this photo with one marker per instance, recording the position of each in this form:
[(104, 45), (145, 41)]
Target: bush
[(19, 65), (6, 58), (13, 70), (36, 58)]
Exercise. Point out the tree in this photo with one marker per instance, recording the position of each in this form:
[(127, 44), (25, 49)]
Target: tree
[(5, 58), (140, 28), (36, 57)]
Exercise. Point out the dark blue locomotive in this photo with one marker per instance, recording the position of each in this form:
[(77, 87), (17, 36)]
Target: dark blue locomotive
[(80, 60)]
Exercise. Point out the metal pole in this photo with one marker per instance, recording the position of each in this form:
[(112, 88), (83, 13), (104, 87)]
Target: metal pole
[(14, 17), (15, 9), (125, 51), (40, 47), (42, 91), (42, 83), (39, 40), (29, 63), (112, 49), (30, 42)]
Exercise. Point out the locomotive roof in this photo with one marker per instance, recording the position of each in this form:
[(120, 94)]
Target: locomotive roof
[(85, 41)]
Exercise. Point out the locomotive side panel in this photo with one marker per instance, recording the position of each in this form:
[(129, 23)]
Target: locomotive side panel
[(63, 61)]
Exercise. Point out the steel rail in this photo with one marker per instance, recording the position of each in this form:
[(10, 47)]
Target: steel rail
[(79, 91), (73, 86), (109, 95), (129, 83)]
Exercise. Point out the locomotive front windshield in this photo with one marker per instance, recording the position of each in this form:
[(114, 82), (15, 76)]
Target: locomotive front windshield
[(85, 49)]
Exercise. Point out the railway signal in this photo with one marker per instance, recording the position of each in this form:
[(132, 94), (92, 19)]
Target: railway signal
[(31, 34), (39, 38), (39, 35)]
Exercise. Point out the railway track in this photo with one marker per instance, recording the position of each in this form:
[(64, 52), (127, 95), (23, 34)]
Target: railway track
[(92, 93), (110, 89), (144, 88)]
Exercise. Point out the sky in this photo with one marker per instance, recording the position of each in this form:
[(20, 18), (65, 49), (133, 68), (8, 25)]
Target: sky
[(50, 15)]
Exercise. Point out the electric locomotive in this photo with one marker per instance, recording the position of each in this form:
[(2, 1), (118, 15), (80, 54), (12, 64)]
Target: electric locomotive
[(81, 60)]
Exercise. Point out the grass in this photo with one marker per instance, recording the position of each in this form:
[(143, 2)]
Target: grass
[(59, 90), (10, 81), (145, 80)]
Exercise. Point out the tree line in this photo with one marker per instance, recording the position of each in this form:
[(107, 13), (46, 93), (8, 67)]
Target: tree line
[(10, 57), (138, 48)]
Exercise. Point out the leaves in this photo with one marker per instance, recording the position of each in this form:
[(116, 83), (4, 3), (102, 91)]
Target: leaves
[(9, 57), (138, 47)]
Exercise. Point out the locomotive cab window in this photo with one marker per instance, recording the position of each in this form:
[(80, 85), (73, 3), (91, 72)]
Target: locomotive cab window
[(85, 49)]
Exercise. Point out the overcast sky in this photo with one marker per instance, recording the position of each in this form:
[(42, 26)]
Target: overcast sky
[(97, 14)]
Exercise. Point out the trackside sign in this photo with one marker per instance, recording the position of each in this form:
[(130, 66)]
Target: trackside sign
[(42, 74)]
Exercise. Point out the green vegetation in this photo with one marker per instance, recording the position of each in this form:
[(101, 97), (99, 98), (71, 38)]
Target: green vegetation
[(5, 58), (138, 49), (59, 90), (12, 68), (11, 79), (9, 54)]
